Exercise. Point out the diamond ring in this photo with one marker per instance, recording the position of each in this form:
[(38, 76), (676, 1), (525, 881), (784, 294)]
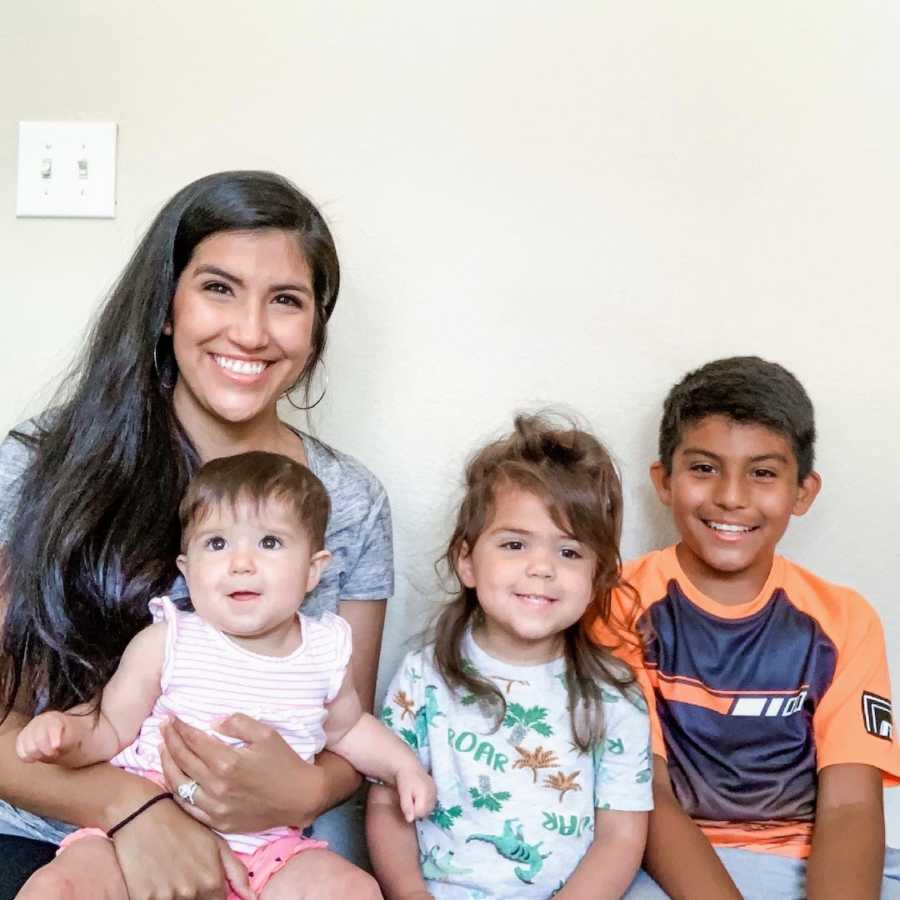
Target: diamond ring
[(187, 790)]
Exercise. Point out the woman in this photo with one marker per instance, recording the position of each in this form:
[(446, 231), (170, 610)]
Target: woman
[(221, 311)]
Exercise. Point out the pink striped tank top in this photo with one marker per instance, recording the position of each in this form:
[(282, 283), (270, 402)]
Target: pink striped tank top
[(206, 676)]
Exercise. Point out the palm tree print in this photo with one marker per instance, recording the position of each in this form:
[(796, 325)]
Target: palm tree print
[(523, 720), (538, 758), (563, 783), (405, 702)]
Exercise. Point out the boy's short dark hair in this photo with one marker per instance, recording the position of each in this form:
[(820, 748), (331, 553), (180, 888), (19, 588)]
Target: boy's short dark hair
[(746, 389), (257, 477)]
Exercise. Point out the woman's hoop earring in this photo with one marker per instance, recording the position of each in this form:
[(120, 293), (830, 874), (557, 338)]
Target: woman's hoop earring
[(290, 400)]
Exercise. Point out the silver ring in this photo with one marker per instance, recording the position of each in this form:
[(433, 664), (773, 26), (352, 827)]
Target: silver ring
[(187, 790)]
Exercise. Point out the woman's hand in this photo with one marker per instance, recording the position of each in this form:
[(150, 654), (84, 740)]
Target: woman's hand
[(164, 854), (261, 785)]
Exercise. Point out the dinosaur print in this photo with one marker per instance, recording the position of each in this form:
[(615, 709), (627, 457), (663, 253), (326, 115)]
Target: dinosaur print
[(511, 845), (438, 866), (426, 714)]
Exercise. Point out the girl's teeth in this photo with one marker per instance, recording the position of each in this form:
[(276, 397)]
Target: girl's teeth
[(241, 366), (721, 526)]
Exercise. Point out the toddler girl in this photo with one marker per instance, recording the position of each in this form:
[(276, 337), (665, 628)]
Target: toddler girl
[(537, 739), (253, 527)]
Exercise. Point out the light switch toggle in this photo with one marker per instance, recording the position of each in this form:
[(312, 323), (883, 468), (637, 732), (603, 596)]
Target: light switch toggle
[(66, 169)]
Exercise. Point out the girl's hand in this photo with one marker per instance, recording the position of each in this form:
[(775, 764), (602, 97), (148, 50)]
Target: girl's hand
[(45, 738), (164, 854), (260, 785)]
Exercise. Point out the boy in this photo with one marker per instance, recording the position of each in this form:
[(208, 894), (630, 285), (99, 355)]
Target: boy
[(253, 528), (769, 688)]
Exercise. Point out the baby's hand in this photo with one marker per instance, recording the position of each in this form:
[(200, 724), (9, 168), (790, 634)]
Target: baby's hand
[(46, 737), (416, 791)]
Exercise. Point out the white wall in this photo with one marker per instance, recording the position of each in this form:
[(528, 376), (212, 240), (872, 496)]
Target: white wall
[(534, 203)]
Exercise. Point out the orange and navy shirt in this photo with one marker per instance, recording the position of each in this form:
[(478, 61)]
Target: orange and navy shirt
[(749, 702)]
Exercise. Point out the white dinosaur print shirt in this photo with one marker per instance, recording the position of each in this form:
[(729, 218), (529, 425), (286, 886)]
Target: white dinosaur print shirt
[(515, 811)]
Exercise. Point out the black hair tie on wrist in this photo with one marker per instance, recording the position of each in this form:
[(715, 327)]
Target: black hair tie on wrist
[(137, 812)]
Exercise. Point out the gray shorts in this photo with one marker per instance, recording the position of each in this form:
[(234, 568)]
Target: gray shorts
[(21, 823), (765, 876)]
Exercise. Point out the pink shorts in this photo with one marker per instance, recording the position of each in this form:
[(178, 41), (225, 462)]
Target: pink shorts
[(261, 864)]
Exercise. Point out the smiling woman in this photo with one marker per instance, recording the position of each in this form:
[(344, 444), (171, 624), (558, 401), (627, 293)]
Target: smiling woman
[(221, 311)]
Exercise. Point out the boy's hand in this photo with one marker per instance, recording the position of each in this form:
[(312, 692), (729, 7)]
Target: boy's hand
[(46, 737), (416, 791)]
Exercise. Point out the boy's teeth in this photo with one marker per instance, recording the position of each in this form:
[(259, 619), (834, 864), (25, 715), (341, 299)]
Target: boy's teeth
[(722, 526), (241, 366)]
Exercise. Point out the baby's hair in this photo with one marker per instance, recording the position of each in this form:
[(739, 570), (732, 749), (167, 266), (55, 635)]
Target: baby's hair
[(747, 390), (256, 477), (572, 473)]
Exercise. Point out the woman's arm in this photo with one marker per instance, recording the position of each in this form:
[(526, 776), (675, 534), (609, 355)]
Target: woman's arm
[(613, 859), (393, 847), (366, 620)]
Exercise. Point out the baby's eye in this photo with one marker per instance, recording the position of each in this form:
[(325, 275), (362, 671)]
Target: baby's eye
[(569, 553), (512, 545), (270, 542), (216, 542)]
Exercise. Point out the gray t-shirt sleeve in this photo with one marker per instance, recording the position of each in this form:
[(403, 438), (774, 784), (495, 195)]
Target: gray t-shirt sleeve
[(359, 533), (15, 457)]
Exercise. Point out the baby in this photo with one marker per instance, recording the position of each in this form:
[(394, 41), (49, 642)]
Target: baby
[(253, 528)]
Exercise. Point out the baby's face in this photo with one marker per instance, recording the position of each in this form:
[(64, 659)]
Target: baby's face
[(248, 569)]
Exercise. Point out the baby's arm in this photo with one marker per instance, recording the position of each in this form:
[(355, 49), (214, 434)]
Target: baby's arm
[(613, 859), (372, 749), (78, 737)]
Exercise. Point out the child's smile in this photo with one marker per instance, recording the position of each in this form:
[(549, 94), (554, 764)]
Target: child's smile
[(533, 579), (733, 489)]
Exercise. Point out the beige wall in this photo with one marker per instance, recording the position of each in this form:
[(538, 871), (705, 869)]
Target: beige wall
[(532, 206)]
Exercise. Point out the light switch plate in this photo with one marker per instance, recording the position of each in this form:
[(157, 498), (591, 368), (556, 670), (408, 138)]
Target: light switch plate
[(67, 169)]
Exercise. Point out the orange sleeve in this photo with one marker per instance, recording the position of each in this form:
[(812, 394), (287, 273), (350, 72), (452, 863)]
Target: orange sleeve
[(629, 651), (853, 722)]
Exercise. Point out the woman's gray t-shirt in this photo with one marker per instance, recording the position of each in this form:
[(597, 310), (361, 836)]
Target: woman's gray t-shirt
[(358, 535)]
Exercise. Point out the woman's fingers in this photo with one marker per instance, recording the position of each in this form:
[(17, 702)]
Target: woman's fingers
[(244, 728), (182, 743), (236, 873)]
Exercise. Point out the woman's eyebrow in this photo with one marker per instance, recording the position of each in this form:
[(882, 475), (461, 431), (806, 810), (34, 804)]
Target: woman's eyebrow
[(287, 286), (215, 270)]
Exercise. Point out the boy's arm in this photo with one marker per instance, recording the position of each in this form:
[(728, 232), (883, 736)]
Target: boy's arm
[(678, 855), (78, 737), (393, 847), (847, 855), (613, 859)]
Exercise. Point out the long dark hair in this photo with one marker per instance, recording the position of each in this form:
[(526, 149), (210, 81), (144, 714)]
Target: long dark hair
[(570, 470), (96, 529)]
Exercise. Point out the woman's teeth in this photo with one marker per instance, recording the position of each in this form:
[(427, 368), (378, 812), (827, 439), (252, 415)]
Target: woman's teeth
[(240, 366)]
